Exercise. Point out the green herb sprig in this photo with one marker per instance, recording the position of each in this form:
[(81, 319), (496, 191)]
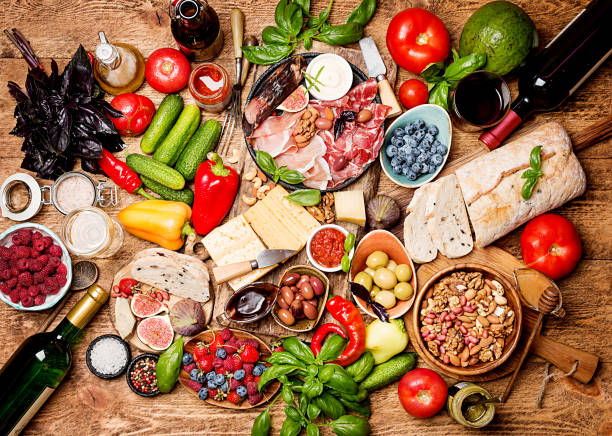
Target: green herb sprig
[(313, 81), (532, 174), (267, 163), (305, 197), (349, 243)]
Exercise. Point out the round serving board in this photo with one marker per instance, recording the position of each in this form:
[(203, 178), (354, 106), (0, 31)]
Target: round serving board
[(264, 353), (503, 262), (132, 339)]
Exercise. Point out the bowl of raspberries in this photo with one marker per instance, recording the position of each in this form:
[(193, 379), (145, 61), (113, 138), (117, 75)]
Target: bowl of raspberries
[(416, 145), (35, 268), (224, 367)]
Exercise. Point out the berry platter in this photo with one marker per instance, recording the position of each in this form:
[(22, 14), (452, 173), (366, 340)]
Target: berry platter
[(215, 341)]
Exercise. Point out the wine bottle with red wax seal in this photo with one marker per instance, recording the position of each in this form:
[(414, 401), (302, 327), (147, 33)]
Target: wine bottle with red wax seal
[(557, 72)]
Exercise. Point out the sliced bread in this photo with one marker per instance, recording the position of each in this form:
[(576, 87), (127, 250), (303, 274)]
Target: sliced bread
[(447, 220), (417, 240)]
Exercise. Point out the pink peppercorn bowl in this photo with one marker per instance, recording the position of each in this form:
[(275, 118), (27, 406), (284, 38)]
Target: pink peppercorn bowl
[(131, 368)]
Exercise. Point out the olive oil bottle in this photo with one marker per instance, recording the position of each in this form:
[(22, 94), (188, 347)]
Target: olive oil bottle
[(40, 364)]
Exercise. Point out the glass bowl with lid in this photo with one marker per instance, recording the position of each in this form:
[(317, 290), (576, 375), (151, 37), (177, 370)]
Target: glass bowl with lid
[(90, 232)]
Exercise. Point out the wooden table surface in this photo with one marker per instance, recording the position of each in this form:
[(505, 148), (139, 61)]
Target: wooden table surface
[(85, 405)]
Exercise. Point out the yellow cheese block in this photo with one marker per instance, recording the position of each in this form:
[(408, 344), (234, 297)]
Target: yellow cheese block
[(280, 223), (350, 207), (235, 241)]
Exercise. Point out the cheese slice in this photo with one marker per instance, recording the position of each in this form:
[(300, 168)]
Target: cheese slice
[(350, 207), (235, 241), (124, 319)]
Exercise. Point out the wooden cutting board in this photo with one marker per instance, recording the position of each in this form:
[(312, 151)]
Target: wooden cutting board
[(561, 355)]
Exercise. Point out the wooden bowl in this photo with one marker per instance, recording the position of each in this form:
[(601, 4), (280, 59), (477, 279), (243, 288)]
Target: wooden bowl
[(382, 240), (511, 341), (264, 352), (304, 324)]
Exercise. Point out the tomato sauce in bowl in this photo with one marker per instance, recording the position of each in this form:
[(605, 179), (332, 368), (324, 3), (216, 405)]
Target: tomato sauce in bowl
[(209, 84), (327, 247)]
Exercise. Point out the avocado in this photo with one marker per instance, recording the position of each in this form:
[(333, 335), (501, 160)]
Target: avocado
[(501, 30)]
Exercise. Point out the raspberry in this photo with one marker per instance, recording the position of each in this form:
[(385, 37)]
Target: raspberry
[(62, 269), (229, 348), (40, 299), (221, 370), (189, 367), (36, 235), (256, 380), (38, 245), (5, 288), (6, 274), (22, 251), (278, 349), (27, 301), (253, 343), (212, 393), (228, 364), (14, 271), (23, 292), (35, 265), (234, 384), (16, 239), (54, 262), (25, 235), (42, 289), (54, 250), (255, 398), (53, 291), (25, 278), (60, 279), (50, 282), (248, 367), (34, 253), (14, 296), (251, 388), (12, 282), (38, 277), (248, 379), (5, 253), (14, 252), (48, 241), (233, 397), (194, 385), (47, 271), (33, 290), (226, 334), (23, 264), (218, 362), (44, 259)]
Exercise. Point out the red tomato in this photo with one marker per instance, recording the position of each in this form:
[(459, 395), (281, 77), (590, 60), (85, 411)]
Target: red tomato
[(167, 70), (422, 392), (412, 93), (137, 110), (550, 244), (416, 38)]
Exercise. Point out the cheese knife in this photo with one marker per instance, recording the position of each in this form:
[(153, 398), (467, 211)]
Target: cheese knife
[(264, 259), (376, 68)]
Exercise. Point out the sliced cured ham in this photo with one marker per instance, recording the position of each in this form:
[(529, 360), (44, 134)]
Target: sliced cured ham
[(274, 135), (302, 159)]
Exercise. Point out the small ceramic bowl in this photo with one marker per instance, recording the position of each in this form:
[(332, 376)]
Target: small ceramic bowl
[(311, 259), (382, 240), (129, 371), (431, 114), (90, 364), (51, 300), (304, 324)]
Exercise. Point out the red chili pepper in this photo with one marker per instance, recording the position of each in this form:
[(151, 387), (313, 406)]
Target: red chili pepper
[(121, 174), (348, 315), (216, 187), (319, 337)]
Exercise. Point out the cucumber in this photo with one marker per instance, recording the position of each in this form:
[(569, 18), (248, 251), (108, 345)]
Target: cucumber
[(173, 144), (157, 171), (163, 120), (389, 372), (202, 141), (185, 195)]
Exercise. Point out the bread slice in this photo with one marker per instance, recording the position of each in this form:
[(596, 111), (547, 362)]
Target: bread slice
[(417, 240), (447, 220), (176, 273)]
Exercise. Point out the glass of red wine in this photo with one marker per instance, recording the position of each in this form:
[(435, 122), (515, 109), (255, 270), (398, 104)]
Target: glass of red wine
[(481, 100)]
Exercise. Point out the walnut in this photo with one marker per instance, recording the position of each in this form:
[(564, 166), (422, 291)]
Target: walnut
[(485, 355), (433, 348)]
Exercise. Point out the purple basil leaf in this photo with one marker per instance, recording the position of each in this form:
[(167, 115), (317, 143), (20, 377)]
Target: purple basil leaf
[(90, 165), (361, 292)]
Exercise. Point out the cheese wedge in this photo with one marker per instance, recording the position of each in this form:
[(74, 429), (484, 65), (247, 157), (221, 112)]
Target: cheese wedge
[(124, 319), (350, 207)]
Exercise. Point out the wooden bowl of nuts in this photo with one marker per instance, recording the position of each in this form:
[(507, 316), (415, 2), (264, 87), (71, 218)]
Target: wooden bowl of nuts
[(467, 319)]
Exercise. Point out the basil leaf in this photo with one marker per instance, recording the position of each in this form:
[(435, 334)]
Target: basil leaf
[(304, 4), (261, 425), (439, 94), (266, 162), (527, 188), (312, 429), (433, 72), (292, 177), (350, 425), (273, 373), (342, 34), (279, 14), (305, 197), (529, 174), (266, 54), (455, 54), (535, 159), (464, 66), (293, 19), (322, 18), (362, 14), (274, 36), (290, 428)]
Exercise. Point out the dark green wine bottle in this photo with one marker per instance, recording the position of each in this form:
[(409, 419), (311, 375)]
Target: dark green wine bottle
[(40, 364)]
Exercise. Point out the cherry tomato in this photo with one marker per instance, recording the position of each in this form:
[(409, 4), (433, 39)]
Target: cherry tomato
[(137, 111), (550, 244), (167, 70), (416, 38), (412, 93), (422, 392)]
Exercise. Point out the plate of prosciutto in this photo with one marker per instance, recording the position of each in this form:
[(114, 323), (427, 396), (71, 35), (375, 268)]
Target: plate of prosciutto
[(330, 142)]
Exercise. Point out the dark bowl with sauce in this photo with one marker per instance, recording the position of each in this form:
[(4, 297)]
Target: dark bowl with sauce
[(251, 302)]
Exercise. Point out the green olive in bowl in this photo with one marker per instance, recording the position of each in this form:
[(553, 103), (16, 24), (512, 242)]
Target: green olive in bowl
[(364, 279), (385, 278), (377, 259), (385, 298), (403, 291), (403, 272)]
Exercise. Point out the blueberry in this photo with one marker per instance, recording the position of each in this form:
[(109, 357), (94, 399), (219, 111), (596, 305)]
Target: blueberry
[(396, 162), (221, 353), (411, 175), (410, 128), (223, 387), (239, 374), (219, 379), (402, 154), (419, 134), (211, 384), (187, 358), (411, 142), (410, 159), (436, 143), (415, 151), (422, 158), (416, 167), (210, 375), (424, 168), (433, 150), (432, 168), (203, 394), (427, 140), (441, 149), (399, 142), (419, 124), (436, 159), (201, 378), (407, 139), (398, 132), (241, 391), (391, 150), (259, 369), (432, 130), (193, 374)]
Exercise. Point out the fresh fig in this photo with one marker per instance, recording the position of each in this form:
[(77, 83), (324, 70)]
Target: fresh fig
[(382, 212), (187, 317), (156, 332), (144, 306)]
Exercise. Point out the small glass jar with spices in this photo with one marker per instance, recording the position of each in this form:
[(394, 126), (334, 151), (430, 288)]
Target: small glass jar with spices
[(210, 86)]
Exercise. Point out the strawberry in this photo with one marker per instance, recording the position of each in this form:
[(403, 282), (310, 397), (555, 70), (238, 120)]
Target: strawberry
[(278, 349), (216, 343), (126, 285), (206, 363), (256, 380), (237, 361), (249, 354), (221, 370), (233, 397), (199, 351)]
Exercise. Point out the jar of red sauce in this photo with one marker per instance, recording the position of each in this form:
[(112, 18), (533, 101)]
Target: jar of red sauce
[(209, 84), (325, 247)]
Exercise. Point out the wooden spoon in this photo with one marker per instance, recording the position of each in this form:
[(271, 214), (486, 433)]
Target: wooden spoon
[(548, 301)]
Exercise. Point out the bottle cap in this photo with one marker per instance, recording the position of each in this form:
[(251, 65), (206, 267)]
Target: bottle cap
[(106, 53), (497, 134), (88, 306)]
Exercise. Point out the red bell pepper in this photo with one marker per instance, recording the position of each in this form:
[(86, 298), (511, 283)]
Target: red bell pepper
[(348, 315), (121, 174), (216, 187), (324, 329)]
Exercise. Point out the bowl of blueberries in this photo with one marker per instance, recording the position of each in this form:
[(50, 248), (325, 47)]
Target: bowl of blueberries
[(417, 145)]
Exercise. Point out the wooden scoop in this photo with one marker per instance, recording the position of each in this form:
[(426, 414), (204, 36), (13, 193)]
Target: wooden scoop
[(548, 302)]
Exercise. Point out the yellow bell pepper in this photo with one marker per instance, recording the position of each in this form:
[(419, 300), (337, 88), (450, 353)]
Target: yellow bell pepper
[(165, 223)]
